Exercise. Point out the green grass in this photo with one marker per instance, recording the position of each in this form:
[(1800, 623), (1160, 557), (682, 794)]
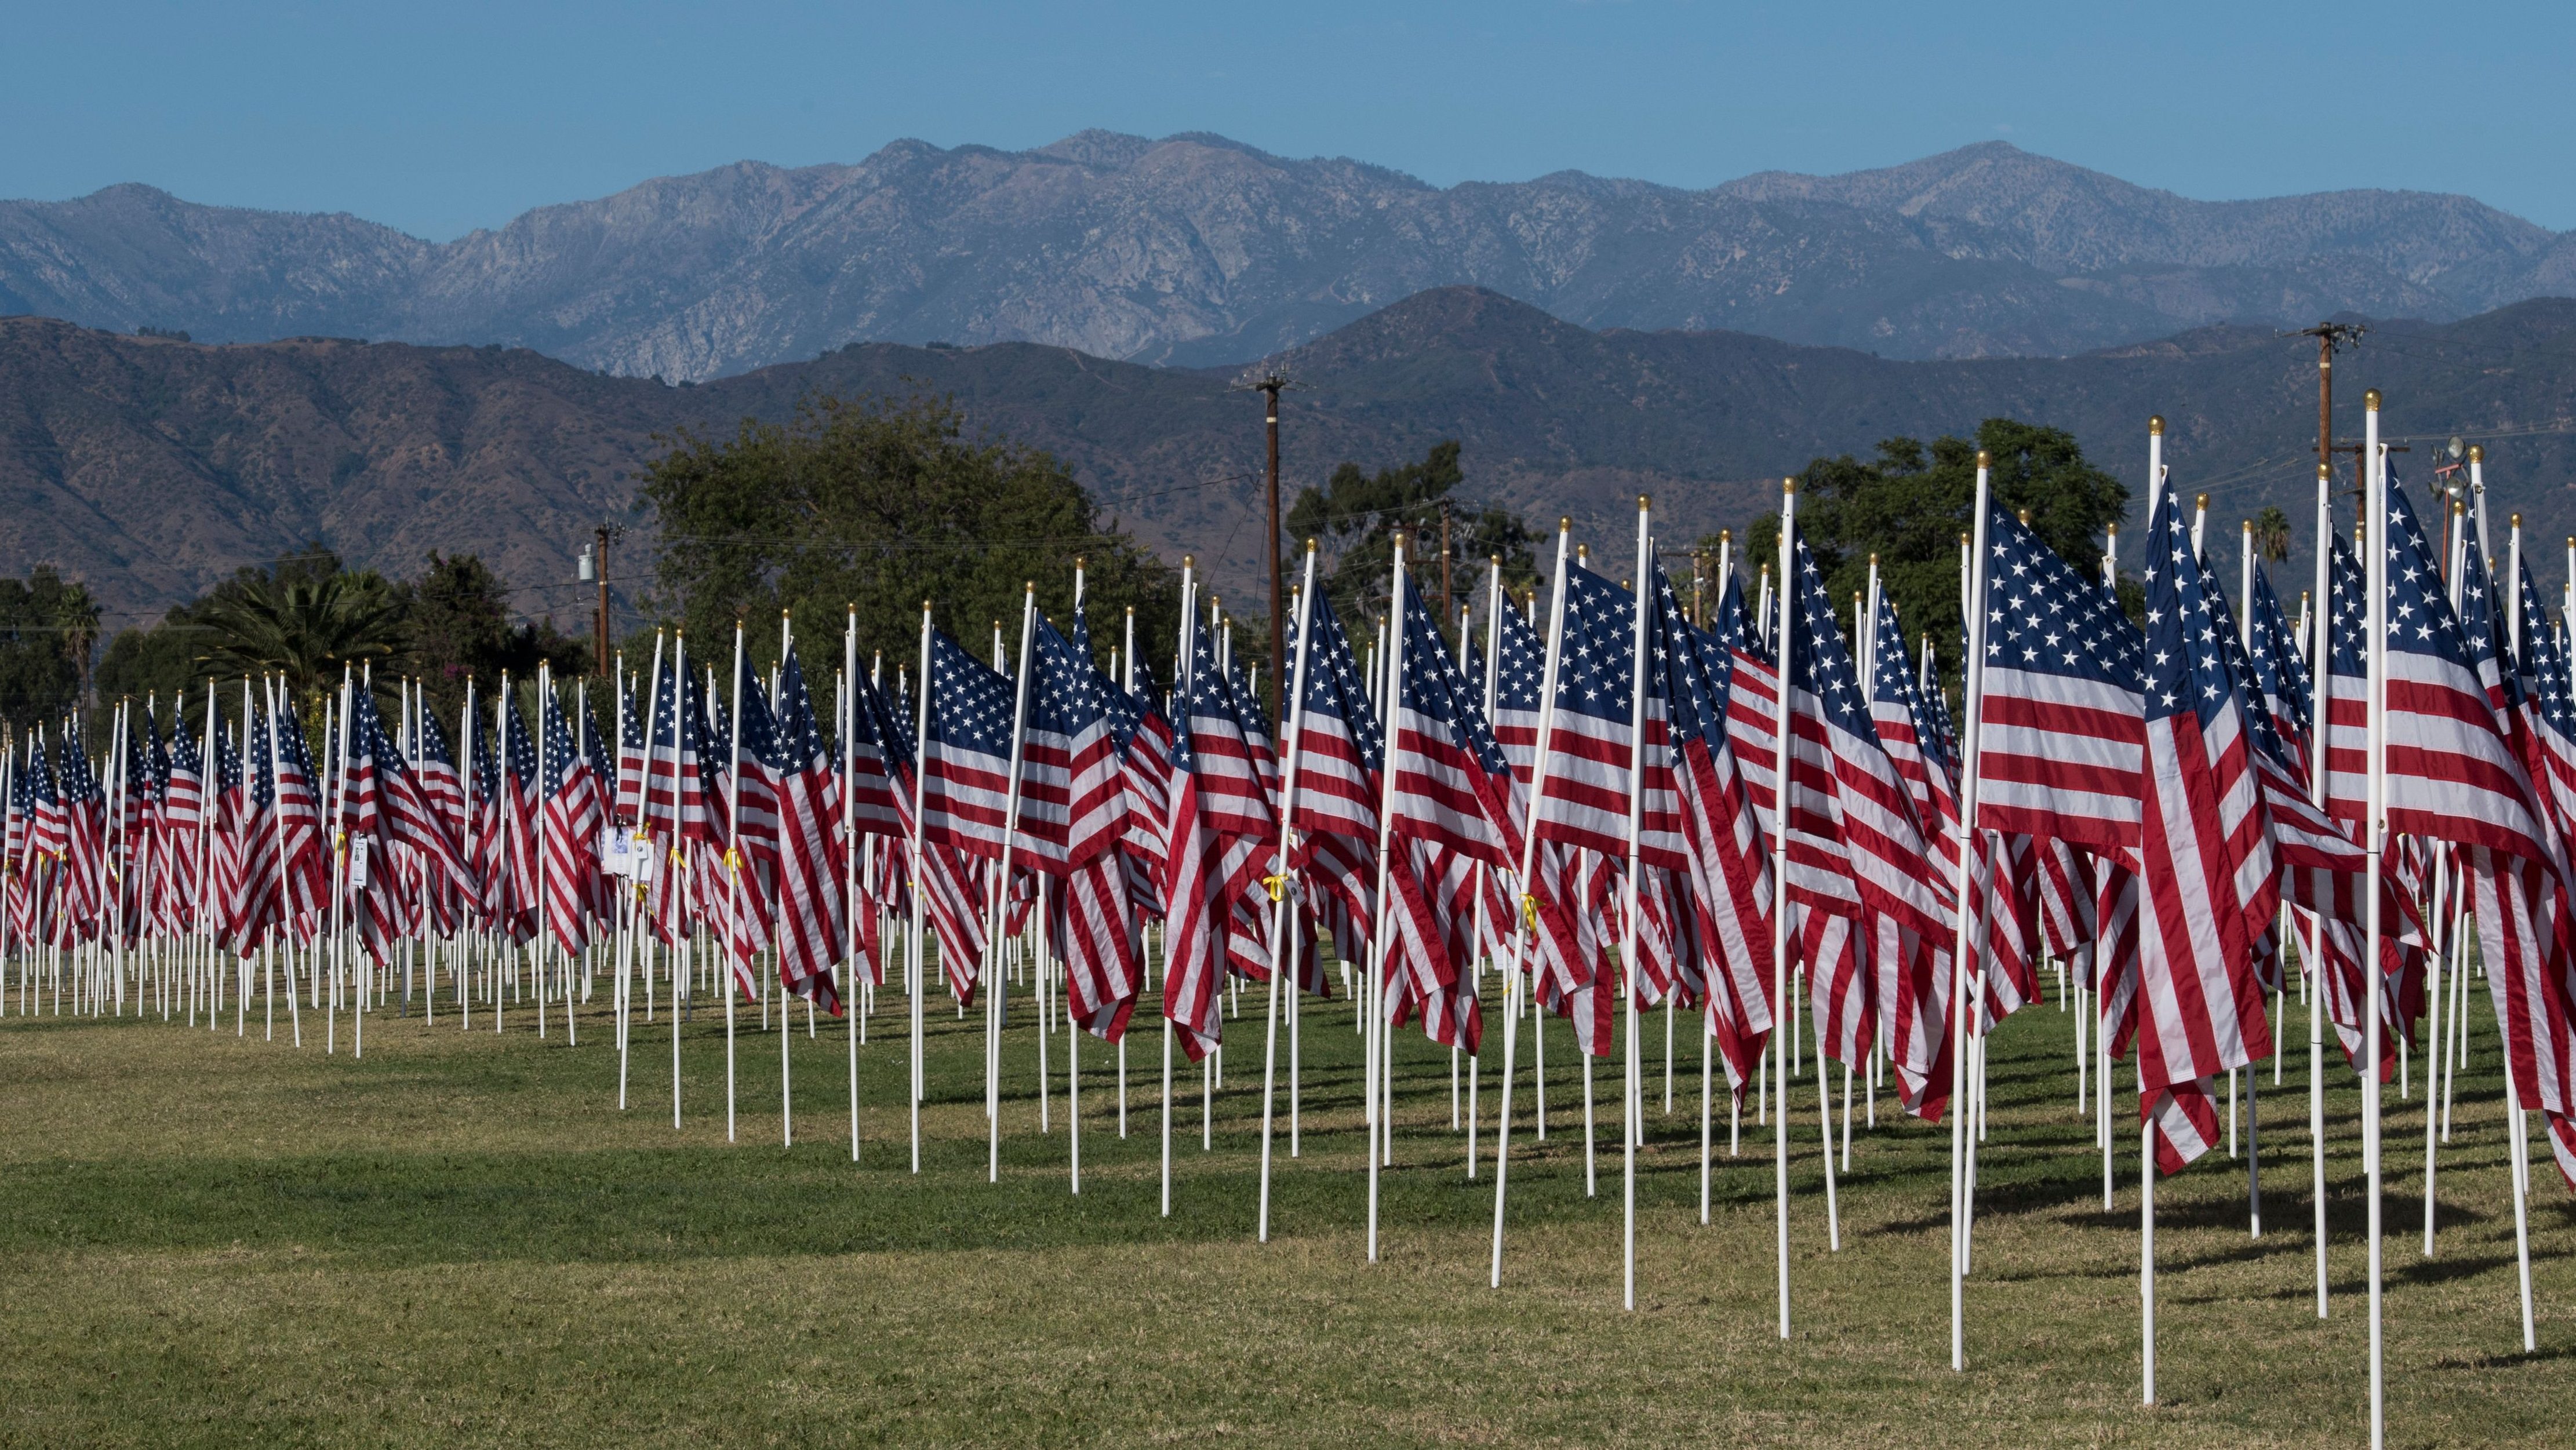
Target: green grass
[(460, 1239)]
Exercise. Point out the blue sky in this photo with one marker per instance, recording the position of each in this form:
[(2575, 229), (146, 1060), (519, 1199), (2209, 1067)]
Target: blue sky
[(444, 117)]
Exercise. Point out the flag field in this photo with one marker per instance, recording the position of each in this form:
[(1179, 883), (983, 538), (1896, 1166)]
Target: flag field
[(461, 1240)]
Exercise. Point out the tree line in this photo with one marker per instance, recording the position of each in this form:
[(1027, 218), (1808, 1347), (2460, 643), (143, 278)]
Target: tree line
[(876, 504)]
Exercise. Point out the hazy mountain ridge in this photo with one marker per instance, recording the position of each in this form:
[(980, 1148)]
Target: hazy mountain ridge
[(1196, 249), (152, 467)]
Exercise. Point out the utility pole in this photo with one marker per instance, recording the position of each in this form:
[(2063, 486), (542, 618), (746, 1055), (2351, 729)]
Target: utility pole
[(599, 625), (2332, 337), (1269, 386)]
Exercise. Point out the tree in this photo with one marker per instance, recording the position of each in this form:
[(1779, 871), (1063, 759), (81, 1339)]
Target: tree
[(1354, 519), (456, 628), (1910, 505), (2272, 533), (875, 505), (301, 621), (75, 613), (39, 676)]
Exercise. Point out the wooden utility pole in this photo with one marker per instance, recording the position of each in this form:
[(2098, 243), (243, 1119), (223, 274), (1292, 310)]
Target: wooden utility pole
[(2331, 337), (599, 661), (1269, 385)]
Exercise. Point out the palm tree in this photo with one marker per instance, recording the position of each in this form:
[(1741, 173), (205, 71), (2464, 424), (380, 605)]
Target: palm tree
[(75, 613), (307, 629), (2272, 533)]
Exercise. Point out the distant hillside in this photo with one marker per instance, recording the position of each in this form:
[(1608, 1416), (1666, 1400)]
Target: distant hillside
[(151, 467), (1199, 250)]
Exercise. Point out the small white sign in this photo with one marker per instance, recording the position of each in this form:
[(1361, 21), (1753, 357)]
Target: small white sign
[(617, 854), (358, 863)]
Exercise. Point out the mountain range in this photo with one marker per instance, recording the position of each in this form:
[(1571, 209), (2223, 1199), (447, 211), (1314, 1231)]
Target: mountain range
[(150, 466), (1196, 250)]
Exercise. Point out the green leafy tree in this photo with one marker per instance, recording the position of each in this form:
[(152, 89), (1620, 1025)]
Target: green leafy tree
[(875, 505), (1911, 503), (457, 628), (1354, 519), (40, 676)]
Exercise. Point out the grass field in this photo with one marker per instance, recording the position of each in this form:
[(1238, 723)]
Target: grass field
[(461, 1240)]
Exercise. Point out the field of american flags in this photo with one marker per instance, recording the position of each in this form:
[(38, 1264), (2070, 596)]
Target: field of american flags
[(1597, 821), (462, 1241)]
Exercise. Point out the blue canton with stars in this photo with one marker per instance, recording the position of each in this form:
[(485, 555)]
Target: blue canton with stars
[(1819, 661), (1594, 670), (2188, 627), (2044, 617), (1333, 685)]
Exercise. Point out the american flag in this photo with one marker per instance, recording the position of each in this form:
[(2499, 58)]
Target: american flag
[(1875, 837), (1912, 977), (1197, 906), (2205, 853), (262, 904), (21, 863), (1584, 787), (299, 811), (1450, 791), (879, 760), (966, 757), (228, 891), (2281, 670), (2528, 959), (1091, 920), (1451, 784), (1729, 867), (1144, 740), (390, 802), (2451, 774), (442, 790), (182, 821), (84, 814), (516, 757), (1223, 742), (813, 927), (1752, 702), (571, 827), (2061, 735), (1340, 753), (631, 751), (2344, 686), (675, 800)]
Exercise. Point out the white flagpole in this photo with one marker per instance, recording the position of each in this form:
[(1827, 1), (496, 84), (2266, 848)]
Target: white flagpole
[(786, 1080), (2253, 1111), (1184, 676), (1972, 684), (1629, 1116), (1528, 924), (2519, 1159), (1284, 896), (1381, 1136), (853, 985), (733, 858), (1126, 660), (2320, 741), (1780, 1004), (1495, 603), (2375, 557), (1002, 894), (915, 948)]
